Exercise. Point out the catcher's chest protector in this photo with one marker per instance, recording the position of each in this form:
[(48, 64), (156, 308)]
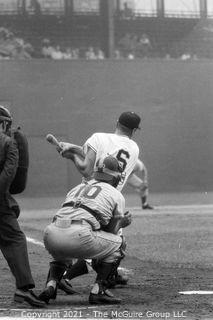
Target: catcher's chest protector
[(20, 181)]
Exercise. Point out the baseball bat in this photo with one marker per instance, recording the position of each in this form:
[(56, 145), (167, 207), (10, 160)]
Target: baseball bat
[(53, 140)]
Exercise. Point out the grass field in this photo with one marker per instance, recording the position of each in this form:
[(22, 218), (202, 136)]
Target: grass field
[(169, 251)]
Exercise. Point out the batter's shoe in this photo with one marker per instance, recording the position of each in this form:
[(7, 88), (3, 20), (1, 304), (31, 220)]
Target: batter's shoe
[(66, 286), (29, 297), (103, 297), (147, 207), (48, 293), (118, 279)]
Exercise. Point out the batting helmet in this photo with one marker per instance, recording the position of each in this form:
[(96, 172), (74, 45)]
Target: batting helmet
[(130, 120), (109, 170), (5, 115)]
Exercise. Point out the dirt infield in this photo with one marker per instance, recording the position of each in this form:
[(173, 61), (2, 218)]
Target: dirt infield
[(169, 251)]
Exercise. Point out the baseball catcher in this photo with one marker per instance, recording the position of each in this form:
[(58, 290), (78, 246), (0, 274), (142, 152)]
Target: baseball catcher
[(86, 227)]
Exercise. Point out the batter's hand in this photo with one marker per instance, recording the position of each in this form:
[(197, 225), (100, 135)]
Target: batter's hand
[(66, 150)]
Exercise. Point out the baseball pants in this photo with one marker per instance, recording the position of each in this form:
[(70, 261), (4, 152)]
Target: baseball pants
[(14, 248), (67, 239)]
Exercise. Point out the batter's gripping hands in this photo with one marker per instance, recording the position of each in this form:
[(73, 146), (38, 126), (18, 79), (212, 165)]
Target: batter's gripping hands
[(54, 141)]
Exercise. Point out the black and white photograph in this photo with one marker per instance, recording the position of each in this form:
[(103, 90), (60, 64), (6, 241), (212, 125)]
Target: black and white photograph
[(106, 159)]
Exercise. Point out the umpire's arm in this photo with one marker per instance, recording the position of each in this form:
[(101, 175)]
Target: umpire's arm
[(10, 164)]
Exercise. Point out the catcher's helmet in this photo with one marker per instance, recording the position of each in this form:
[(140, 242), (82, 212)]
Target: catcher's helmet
[(109, 170), (5, 115)]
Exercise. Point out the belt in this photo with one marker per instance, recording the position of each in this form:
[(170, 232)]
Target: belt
[(82, 206), (66, 223)]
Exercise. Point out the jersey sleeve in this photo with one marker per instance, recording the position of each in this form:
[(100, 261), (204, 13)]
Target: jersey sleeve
[(140, 165), (93, 143), (137, 151)]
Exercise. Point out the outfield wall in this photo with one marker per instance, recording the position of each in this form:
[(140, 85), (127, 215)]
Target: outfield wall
[(73, 99)]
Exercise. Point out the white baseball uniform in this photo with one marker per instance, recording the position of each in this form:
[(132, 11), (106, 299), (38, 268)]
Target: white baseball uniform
[(76, 233), (119, 146)]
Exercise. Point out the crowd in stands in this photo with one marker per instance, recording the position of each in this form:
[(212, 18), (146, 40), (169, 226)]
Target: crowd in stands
[(57, 53), (130, 46), (12, 47)]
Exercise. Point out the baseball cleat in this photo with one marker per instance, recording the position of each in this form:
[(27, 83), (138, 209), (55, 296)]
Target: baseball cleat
[(29, 297), (147, 206), (65, 286), (103, 297), (48, 293)]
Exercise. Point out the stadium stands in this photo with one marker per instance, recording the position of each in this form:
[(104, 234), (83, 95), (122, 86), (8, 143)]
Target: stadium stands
[(59, 36)]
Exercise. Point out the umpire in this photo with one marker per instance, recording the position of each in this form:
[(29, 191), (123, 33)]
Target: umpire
[(12, 240)]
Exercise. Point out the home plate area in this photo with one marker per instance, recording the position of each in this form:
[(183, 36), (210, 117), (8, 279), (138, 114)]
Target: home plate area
[(168, 261)]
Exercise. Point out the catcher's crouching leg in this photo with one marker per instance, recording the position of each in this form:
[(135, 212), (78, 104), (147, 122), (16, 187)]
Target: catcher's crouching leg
[(114, 277), (99, 293), (55, 274), (105, 272), (74, 270)]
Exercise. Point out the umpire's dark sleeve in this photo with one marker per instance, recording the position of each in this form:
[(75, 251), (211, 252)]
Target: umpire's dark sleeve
[(10, 164)]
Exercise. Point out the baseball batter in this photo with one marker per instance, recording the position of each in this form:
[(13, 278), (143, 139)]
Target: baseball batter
[(119, 145)]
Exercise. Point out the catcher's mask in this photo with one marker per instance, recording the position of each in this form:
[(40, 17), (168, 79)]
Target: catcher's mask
[(109, 170), (5, 117)]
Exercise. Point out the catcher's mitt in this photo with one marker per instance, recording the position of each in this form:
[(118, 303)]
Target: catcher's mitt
[(20, 181)]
